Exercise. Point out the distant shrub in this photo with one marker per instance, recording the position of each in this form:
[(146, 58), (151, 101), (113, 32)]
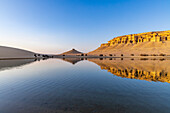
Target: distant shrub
[(110, 54), (144, 55), (35, 55), (45, 56), (162, 54)]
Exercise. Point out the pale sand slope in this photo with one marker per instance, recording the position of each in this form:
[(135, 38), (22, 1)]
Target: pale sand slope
[(8, 52), (136, 49)]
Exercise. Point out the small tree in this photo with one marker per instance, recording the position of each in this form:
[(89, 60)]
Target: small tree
[(162, 54), (35, 55)]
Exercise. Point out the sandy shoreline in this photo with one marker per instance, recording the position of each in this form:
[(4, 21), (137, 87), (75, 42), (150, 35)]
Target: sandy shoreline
[(54, 56), (8, 53)]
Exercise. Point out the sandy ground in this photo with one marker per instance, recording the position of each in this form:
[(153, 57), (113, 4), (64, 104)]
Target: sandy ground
[(136, 49)]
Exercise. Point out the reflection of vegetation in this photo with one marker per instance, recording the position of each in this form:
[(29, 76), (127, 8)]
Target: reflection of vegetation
[(150, 70)]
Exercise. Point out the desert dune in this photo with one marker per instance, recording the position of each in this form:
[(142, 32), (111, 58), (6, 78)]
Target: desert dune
[(9, 52)]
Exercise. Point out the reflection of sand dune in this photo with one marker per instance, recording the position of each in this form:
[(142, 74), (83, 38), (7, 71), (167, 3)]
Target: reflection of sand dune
[(8, 64), (150, 70), (72, 60)]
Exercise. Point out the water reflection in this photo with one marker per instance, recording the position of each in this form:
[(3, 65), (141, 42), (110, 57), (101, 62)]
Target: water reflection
[(52, 86), (143, 69), (150, 70), (9, 64), (73, 60)]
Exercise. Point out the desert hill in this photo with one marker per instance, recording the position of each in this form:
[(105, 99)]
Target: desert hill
[(72, 52), (150, 43)]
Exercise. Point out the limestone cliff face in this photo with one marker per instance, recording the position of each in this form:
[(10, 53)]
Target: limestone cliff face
[(157, 42)]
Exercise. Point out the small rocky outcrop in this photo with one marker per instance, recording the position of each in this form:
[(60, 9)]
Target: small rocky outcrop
[(72, 52)]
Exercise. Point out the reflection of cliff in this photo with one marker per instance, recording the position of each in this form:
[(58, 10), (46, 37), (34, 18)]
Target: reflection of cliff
[(8, 64), (150, 70)]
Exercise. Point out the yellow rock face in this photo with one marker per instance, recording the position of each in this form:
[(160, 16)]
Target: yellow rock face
[(158, 36), (157, 42)]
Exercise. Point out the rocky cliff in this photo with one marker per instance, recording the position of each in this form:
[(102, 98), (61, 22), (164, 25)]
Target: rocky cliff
[(150, 43)]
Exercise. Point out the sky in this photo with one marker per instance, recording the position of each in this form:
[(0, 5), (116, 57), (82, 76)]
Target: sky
[(55, 26)]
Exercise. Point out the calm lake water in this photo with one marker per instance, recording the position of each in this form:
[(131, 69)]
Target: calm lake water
[(85, 86)]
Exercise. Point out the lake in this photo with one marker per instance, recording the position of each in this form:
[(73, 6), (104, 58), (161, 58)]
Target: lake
[(77, 85)]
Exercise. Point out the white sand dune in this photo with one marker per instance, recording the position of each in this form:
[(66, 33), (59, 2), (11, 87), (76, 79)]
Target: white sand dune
[(9, 52)]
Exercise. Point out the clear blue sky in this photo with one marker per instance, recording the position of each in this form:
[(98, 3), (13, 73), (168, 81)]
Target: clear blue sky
[(53, 26)]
